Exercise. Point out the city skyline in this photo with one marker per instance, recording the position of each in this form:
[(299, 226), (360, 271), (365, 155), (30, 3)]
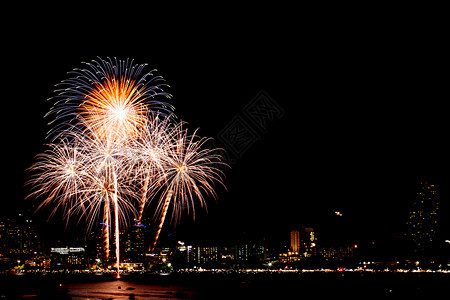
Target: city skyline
[(22, 248), (421, 230), (328, 218)]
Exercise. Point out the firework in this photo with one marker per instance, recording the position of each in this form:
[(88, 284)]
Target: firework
[(60, 175), (109, 97), (190, 171), (114, 147), (109, 100), (81, 175), (150, 149)]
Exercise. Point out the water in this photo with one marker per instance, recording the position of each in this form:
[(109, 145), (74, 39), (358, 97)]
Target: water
[(121, 290), (225, 286)]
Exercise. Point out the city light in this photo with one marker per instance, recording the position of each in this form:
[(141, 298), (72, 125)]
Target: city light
[(184, 257)]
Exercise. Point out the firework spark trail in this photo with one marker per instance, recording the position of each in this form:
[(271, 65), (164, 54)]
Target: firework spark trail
[(144, 197), (163, 217), (106, 231), (116, 221)]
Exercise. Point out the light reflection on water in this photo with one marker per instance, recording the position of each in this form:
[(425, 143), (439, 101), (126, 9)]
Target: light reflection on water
[(122, 290)]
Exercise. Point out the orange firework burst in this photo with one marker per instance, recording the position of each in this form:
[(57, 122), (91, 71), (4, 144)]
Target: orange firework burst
[(109, 97), (115, 108)]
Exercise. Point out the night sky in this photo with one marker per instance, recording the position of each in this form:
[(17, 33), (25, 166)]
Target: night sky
[(364, 112)]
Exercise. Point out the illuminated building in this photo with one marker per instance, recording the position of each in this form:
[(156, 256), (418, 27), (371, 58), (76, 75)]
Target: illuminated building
[(191, 254), (207, 255), (295, 240), (338, 254), (30, 238), (226, 255), (303, 244), (137, 238), (18, 237), (181, 257), (14, 239), (135, 242), (308, 242), (95, 249), (250, 253), (19, 241), (4, 260), (3, 237), (423, 217), (257, 251), (241, 252), (238, 253), (289, 257), (68, 257)]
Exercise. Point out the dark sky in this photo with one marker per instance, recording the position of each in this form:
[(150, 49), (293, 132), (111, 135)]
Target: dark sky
[(363, 100)]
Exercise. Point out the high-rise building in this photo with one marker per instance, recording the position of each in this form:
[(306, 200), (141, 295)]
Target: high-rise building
[(30, 243), (191, 254), (241, 252), (309, 242), (257, 251), (15, 239), (304, 240), (295, 240), (3, 237), (339, 254), (134, 239), (207, 254), (423, 217)]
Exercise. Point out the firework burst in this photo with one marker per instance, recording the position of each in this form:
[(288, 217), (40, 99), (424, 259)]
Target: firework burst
[(115, 147), (190, 172), (81, 175), (109, 97)]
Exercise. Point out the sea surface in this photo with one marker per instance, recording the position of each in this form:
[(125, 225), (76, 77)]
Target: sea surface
[(226, 286), (122, 290)]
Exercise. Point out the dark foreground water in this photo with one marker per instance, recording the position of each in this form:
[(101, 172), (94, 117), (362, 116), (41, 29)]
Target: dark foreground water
[(227, 286)]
